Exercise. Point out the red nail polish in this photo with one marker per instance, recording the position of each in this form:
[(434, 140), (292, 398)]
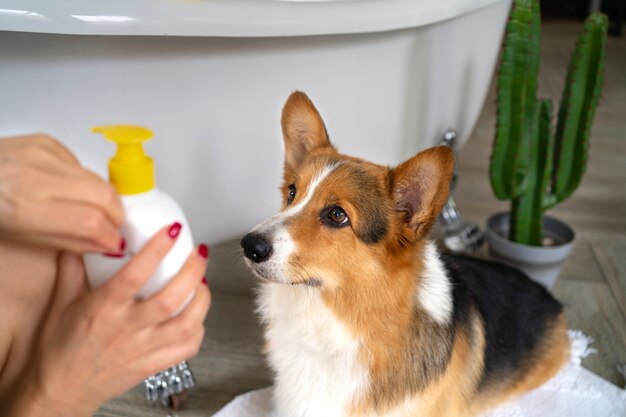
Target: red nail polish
[(174, 230), (203, 250), (204, 281), (122, 245), (114, 255)]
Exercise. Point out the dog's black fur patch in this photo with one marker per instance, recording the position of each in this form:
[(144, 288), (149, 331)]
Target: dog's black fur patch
[(516, 312)]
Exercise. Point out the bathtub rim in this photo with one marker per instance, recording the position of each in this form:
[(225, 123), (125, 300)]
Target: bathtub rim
[(224, 18)]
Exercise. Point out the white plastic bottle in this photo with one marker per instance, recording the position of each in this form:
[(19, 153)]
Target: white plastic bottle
[(147, 210)]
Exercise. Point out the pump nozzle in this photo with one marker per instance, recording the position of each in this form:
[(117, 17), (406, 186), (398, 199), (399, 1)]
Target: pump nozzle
[(131, 171)]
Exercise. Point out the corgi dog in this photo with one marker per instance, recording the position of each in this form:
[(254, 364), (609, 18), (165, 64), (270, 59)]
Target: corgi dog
[(363, 316)]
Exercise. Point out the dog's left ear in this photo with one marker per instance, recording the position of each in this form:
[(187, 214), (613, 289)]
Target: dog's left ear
[(420, 187), (303, 129)]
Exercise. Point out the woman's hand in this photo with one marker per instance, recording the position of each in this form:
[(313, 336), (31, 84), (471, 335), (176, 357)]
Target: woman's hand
[(98, 344), (47, 198)]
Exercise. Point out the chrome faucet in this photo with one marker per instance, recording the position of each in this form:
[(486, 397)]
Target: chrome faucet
[(459, 236), (170, 386)]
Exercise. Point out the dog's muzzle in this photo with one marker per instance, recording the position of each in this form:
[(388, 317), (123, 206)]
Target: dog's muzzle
[(256, 247)]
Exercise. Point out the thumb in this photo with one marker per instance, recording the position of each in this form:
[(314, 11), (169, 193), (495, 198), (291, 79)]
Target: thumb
[(70, 279)]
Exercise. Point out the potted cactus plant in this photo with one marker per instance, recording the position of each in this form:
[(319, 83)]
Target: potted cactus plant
[(530, 165)]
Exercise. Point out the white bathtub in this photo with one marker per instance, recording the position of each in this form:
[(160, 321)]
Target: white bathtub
[(210, 77)]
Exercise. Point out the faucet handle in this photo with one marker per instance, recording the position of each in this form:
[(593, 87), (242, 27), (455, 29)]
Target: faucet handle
[(170, 386)]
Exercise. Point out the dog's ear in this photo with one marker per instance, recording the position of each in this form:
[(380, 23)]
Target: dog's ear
[(420, 187), (303, 129)]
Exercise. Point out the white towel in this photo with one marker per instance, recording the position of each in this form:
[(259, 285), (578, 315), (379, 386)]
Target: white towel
[(573, 392)]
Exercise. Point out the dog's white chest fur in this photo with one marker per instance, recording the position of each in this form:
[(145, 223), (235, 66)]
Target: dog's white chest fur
[(313, 356)]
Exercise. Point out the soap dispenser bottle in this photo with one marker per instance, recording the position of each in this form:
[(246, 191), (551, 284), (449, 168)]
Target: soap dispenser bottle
[(147, 209)]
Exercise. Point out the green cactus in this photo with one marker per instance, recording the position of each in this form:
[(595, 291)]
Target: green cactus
[(529, 165)]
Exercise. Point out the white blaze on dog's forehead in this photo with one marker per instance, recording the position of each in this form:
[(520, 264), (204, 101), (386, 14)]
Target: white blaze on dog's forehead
[(276, 219), (276, 267), (317, 180), (435, 291)]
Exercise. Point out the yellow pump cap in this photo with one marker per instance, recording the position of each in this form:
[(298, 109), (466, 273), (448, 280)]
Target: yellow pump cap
[(131, 171)]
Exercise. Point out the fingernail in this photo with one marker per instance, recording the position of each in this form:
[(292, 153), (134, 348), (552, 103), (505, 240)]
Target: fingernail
[(203, 250), (174, 230), (120, 253), (204, 281)]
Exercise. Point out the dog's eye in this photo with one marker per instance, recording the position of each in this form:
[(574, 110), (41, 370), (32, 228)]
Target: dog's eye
[(338, 216), (291, 193)]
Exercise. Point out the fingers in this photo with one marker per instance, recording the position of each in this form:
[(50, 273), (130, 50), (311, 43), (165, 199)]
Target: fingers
[(70, 280), (68, 244), (43, 184), (85, 187), (190, 320), (52, 145), (28, 147), (71, 182), (160, 359), (177, 330), (71, 222), (129, 280), (165, 303), (178, 339), (160, 346)]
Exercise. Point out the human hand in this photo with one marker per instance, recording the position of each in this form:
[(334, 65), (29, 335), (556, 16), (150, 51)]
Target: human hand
[(98, 344), (47, 198)]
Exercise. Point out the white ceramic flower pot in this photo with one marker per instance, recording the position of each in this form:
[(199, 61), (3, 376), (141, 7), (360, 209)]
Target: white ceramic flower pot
[(541, 264)]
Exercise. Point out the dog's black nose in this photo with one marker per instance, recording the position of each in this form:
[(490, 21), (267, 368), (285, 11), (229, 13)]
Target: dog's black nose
[(256, 247)]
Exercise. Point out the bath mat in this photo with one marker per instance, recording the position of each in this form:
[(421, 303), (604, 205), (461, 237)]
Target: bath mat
[(573, 392)]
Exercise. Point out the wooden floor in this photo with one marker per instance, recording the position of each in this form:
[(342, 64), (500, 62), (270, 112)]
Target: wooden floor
[(592, 285)]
